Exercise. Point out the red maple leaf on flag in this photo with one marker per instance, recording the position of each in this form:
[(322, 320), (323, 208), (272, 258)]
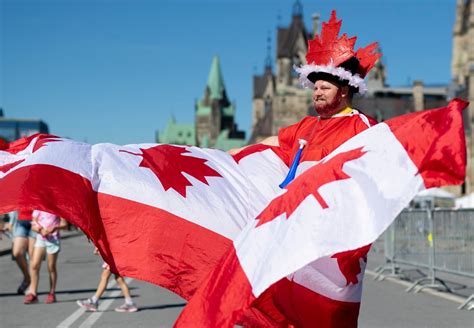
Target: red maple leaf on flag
[(168, 164), (298, 190), (21, 144), (349, 263), (44, 141), (7, 167)]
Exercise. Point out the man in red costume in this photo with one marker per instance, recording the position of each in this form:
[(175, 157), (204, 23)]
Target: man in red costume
[(336, 123), (329, 289), (335, 72)]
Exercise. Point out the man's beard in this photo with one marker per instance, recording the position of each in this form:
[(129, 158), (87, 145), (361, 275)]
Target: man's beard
[(328, 110)]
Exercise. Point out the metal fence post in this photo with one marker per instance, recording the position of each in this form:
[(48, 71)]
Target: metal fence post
[(431, 242), (431, 278), (389, 254)]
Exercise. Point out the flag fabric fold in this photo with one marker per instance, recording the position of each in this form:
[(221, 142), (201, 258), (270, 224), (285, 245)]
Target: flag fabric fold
[(342, 203)]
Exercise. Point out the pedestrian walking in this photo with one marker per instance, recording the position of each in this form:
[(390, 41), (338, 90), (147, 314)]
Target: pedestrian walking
[(48, 243), (23, 241), (92, 303)]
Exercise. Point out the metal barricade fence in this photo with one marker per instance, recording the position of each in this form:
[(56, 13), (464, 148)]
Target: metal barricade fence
[(435, 240), (411, 240), (454, 248)]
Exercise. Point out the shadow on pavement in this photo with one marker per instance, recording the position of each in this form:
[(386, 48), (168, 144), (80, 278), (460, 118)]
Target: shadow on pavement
[(161, 307), (9, 294)]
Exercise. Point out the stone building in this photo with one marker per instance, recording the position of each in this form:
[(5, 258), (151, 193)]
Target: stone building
[(215, 125), (177, 133), (278, 100), (214, 119), (383, 101)]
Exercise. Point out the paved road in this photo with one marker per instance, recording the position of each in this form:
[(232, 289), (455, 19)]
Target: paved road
[(79, 271), (385, 304)]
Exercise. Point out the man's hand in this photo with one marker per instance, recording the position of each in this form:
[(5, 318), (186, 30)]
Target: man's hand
[(235, 151), (270, 141)]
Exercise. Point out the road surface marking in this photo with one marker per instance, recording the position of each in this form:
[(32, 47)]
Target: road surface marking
[(89, 322), (79, 312)]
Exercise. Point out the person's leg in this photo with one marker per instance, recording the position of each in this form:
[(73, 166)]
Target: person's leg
[(20, 246), (128, 306), (104, 279), (92, 304), (35, 266), (123, 286), (53, 274), (52, 248), (31, 246)]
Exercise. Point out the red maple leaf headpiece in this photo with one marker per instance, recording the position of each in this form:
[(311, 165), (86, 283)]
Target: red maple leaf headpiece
[(326, 53)]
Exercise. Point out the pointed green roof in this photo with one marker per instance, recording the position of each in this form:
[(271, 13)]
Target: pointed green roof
[(215, 82)]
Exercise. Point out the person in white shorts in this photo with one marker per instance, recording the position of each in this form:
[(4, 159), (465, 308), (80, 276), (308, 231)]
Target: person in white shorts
[(47, 226)]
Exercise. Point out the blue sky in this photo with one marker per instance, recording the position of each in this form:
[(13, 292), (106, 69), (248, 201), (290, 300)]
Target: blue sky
[(115, 70)]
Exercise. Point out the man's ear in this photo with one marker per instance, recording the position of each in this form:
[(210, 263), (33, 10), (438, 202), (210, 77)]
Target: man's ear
[(345, 92)]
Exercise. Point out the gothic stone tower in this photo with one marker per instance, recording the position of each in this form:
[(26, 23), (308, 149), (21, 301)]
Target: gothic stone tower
[(278, 99), (215, 113)]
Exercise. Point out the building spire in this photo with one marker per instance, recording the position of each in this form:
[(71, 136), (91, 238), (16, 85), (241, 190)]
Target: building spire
[(279, 19), (215, 81), (297, 9), (268, 58)]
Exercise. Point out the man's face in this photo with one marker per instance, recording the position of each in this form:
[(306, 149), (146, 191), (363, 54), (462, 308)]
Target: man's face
[(326, 98)]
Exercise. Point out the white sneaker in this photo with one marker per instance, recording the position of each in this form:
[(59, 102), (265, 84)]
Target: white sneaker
[(127, 308), (88, 305)]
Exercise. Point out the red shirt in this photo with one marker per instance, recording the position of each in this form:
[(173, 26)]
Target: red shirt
[(25, 215), (322, 135)]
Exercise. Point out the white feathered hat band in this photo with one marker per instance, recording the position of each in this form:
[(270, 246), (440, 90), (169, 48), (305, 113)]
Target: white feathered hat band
[(332, 57)]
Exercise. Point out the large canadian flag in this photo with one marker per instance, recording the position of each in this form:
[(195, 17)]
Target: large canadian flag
[(171, 214), (342, 203), (160, 213)]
